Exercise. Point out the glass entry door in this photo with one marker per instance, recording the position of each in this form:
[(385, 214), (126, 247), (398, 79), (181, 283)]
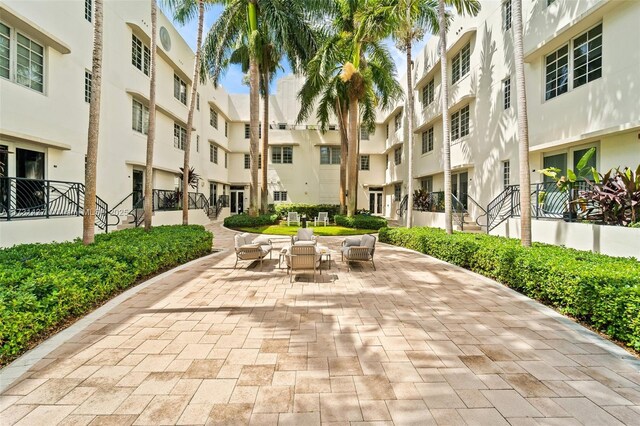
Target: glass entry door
[(237, 201), (213, 193), (375, 201), (138, 186), (29, 191)]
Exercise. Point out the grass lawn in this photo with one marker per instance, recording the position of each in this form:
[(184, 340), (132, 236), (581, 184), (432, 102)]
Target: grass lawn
[(324, 231)]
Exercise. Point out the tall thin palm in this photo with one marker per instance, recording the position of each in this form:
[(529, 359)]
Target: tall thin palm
[(151, 128), (184, 11), (523, 127), (466, 7), (88, 220)]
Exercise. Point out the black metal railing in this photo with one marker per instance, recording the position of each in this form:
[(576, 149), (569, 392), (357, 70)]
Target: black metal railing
[(502, 207), (172, 200), (478, 206), (459, 211), (430, 202), (215, 209), (402, 208), (22, 198)]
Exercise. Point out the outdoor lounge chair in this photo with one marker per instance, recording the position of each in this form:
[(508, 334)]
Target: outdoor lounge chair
[(302, 258), (359, 250), (323, 217), (293, 217), (250, 248), (304, 237)]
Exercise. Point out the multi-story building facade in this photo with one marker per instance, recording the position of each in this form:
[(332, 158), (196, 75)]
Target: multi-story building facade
[(582, 67)]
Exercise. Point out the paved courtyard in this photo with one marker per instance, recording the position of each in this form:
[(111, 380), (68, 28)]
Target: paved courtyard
[(417, 342)]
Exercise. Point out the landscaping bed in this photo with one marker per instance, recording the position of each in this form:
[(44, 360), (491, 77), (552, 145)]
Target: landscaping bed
[(44, 286), (601, 291), (323, 231)]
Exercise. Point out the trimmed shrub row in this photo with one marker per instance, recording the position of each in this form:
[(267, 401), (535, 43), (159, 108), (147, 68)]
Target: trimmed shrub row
[(42, 286), (311, 210), (361, 221), (600, 290), (244, 220)]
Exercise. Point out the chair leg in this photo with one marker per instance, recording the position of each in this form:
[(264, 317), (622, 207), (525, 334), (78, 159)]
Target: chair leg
[(234, 266), (374, 265)]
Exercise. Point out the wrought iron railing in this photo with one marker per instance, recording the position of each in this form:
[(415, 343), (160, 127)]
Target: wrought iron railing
[(22, 198), (459, 211), (402, 208), (215, 209), (431, 202)]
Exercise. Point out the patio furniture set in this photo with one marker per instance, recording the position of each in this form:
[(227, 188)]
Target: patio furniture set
[(296, 218)]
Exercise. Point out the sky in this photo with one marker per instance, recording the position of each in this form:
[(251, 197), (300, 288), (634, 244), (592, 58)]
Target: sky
[(232, 80)]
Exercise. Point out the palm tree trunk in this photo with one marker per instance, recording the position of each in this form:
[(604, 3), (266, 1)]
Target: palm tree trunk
[(410, 112), (446, 119), (192, 107), (151, 128), (343, 116), (254, 120), (523, 127), (90, 181), (264, 195), (352, 156)]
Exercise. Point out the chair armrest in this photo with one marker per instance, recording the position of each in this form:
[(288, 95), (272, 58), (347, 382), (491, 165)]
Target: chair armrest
[(358, 252)]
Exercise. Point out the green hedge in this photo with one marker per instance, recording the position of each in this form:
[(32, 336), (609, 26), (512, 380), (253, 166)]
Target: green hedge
[(311, 210), (244, 220), (600, 290), (42, 286), (361, 221)]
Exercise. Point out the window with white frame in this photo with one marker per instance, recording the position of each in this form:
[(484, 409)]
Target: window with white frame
[(364, 133), (282, 155), (397, 121), (428, 93), (386, 163), (426, 184), (427, 140), (179, 89), (213, 154), (140, 117), (506, 15), (397, 156), (226, 129), (29, 63), (247, 161), (506, 173), (87, 86), (5, 51), (140, 54), (198, 101), (557, 73), (506, 93), (213, 118), (88, 10), (460, 123), (461, 63), (226, 159), (329, 155), (179, 136), (365, 162), (247, 130), (279, 195), (587, 56), (397, 192)]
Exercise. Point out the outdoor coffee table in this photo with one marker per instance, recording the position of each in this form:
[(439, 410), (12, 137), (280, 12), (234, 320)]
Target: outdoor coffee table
[(325, 255)]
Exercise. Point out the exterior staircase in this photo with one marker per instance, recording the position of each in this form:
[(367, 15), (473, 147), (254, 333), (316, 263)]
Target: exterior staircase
[(466, 223)]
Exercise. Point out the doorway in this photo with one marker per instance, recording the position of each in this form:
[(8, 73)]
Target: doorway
[(460, 187), (4, 183), (137, 186), (30, 193), (375, 200), (213, 193), (237, 200)]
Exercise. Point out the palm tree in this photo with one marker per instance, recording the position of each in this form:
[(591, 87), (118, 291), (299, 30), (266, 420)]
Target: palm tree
[(461, 6), (151, 128), (240, 23), (414, 16), (88, 219), (523, 127)]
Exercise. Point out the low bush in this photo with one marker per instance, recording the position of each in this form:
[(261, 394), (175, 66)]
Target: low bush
[(244, 220), (43, 286), (599, 290), (361, 221), (310, 210)]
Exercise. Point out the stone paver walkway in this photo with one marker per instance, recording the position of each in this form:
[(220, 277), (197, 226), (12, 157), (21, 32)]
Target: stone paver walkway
[(417, 342)]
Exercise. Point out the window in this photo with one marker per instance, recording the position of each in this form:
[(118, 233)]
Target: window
[(579, 153), (506, 92), (333, 127), (213, 118), (279, 195), (397, 156), (140, 115), (29, 63), (557, 73), (364, 162), (197, 143), (87, 86), (226, 129), (427, 140), (140, 55), (5, 55), (364, 134), (198, 101), (179, 89), (213, 153), (506, 173), (460, 123), (550, 2), (282, 155), (226, 159), (282, 126), (179, 136), (426, 184), (247, 161), (386, 164), (397, 192), (506, 15), (587, 57), (88, 10), (247, 130), (428, 94), (397, 121), (329, 155), (461, 63)]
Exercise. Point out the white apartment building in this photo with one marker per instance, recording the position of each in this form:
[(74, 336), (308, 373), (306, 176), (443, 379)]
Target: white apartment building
[(583, 85)]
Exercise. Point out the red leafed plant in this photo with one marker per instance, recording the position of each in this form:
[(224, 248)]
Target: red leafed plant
[(614, 198)]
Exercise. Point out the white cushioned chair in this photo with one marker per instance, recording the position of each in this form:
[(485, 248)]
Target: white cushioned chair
[(293, 217), (360, 249), (248, 247), (323, 217), (302, 258), (304, 237)]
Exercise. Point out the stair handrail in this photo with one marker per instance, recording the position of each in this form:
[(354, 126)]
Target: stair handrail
[(403, 205), (504, 199), (460, 209), (484, 212)]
